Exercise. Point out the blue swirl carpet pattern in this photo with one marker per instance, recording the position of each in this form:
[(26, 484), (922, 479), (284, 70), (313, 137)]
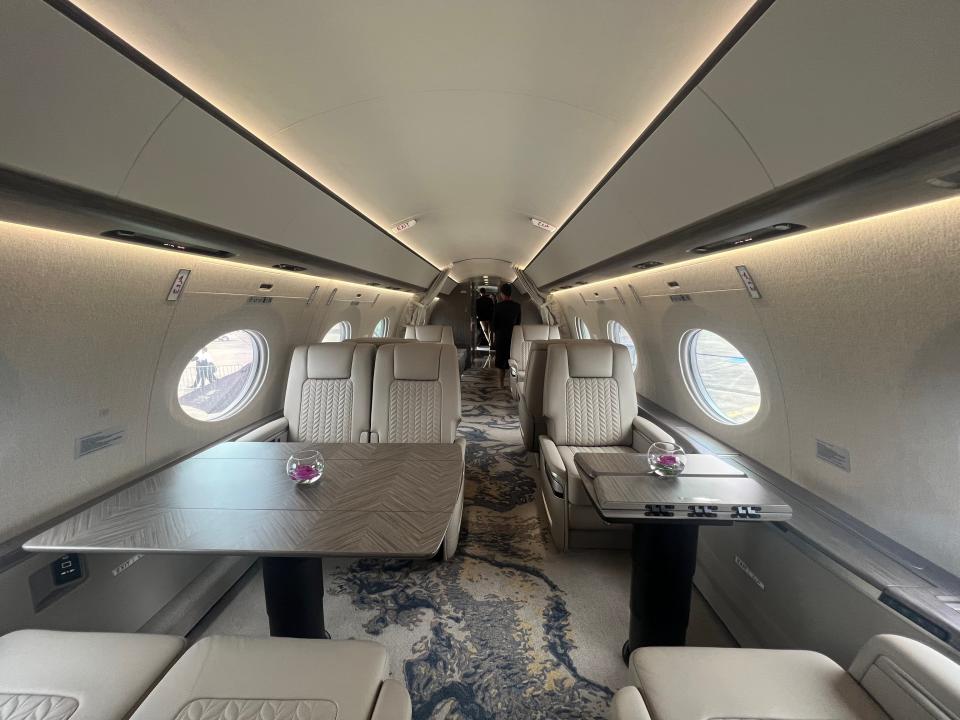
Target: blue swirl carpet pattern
[(490, 634)]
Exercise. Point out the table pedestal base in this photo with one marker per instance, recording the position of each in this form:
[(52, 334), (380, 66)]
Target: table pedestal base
[(664, 560), (293, 588)]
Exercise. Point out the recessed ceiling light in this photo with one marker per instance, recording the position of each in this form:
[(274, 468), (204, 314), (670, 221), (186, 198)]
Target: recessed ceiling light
[(405, 225), (542, 225)]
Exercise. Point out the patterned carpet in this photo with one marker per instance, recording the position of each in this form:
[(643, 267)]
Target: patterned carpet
[(508, 629)]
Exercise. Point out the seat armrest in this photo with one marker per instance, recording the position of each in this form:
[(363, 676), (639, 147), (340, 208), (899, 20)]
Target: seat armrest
[(906, 677), (513, 363), (646, 433), (266, 432), (462, 444), (553, 466), (393, 702), (628, 705)]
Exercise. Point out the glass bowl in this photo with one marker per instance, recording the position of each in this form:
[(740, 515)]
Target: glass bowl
[(666, 459), (305, 467)]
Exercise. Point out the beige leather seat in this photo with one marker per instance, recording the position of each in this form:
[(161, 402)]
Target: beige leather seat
[(590, 405), (416, 399), (234, 678), (892, 678), (328, 394), (530, 406), (520, 341), (50, 675), (429, 333)]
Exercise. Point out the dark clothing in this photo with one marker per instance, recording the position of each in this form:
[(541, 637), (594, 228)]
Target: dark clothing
[(485, 306), (506, 314)]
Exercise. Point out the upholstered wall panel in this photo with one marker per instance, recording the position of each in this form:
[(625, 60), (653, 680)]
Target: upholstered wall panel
[(854, 342), (90, 343)]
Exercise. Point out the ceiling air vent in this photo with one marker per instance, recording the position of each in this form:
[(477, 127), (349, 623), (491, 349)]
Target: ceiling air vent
[(374, 284), (766, 233), (291, 268), (564, 287), (159, 242), (646, 265)]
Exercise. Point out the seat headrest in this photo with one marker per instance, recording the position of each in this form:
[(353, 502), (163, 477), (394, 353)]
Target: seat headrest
[(330, 361), (590, 361), (417, 361), (539, 332)]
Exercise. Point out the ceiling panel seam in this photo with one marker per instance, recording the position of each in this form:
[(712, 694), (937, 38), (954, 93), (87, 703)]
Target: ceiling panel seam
[(740, 133), (143, 147)]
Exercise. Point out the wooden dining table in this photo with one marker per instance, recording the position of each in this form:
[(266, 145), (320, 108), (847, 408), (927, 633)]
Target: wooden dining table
[(373, 500)]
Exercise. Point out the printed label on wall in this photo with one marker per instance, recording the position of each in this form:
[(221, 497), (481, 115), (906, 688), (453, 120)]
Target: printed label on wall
[(833, 454)]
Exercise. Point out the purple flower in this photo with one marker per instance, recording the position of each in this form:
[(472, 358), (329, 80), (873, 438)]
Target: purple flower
[(304, 472), (669, 460)]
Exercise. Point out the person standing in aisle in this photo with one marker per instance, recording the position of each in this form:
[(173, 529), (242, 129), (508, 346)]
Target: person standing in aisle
[(484, 311), (506, 314)]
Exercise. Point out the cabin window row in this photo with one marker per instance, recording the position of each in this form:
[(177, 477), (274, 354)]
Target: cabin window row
[(717, 375), (225, 374)]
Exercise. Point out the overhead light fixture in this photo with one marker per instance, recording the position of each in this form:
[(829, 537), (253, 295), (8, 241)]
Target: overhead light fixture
[(647, 264), (132, 236), (542, 225), (764, 233), (405, 225), (289, 267)]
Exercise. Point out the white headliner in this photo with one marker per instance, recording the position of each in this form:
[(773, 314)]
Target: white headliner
[(471, 117)]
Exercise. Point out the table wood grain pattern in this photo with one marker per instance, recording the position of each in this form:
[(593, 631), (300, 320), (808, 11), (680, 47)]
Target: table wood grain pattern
[(597, 464), (386, 500)]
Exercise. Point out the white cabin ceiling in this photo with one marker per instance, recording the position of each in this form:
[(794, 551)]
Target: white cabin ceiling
[(470, 117)]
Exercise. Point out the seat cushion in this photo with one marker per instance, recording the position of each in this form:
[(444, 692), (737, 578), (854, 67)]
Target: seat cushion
[(223, 678), (51, 675), (576, 495), (708, 683)]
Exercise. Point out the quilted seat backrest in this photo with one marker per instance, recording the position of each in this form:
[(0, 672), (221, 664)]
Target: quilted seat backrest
[(416, 393), (522, 338), (589, 396), (329, 392)]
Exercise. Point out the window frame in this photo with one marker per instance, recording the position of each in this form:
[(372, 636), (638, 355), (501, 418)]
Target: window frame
[(250, 389), (385, 321), (689, 368), (346, 332), (583, 331), (631, 346)]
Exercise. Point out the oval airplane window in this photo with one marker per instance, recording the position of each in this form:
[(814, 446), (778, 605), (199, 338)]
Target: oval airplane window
[(719, 377), (382, 328), (338, 333), (618, 334), (223, 375), (583, 332)]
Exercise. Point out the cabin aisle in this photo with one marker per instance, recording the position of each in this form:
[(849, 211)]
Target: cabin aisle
[(510, 628)]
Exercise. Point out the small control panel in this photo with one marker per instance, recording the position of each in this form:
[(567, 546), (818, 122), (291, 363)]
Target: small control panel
[(659, 511), (702, 511), (66, 569), (746, 512)]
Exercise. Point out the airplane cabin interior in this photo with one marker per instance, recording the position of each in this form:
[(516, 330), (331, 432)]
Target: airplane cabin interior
[(441, 359)]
